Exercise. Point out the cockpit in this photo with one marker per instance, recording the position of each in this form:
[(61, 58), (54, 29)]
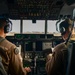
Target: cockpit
[(35, 29)]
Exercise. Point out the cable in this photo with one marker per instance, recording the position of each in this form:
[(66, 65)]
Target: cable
[(71, 28)]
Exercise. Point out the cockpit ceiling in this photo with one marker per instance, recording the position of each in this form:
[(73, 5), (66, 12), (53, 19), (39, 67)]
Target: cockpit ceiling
[(32, 9)]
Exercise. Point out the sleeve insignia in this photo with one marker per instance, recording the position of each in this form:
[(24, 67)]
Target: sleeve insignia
[(16, 51)]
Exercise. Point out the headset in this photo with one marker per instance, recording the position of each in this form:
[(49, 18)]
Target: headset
[(63, 26), (62, 30), (8, 26)]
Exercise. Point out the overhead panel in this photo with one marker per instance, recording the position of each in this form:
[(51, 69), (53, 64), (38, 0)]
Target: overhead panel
[(34, 9)]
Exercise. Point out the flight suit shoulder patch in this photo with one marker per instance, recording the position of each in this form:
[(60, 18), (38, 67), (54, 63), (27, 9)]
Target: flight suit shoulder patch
[(16, 51)]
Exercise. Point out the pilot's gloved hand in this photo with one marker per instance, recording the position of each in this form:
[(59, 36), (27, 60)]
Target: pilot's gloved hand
[(28, 69)]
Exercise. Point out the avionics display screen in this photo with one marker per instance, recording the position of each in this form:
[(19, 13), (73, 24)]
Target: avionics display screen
[(28, 46), (46, 45), (38, 46), (41, 45), (33, 46)]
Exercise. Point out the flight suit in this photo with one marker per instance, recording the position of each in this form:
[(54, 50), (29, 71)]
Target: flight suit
[(57, 63), (11, 59)]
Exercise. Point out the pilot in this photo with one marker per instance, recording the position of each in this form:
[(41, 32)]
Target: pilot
[(57, 63), (10, 54)]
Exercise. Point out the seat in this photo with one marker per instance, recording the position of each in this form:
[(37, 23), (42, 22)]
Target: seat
[(71, 60), (2, 70)]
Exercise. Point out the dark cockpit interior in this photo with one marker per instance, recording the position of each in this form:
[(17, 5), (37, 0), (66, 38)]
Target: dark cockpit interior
[(35, 47), (36, 9)]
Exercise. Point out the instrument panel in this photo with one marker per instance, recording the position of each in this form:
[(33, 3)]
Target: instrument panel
[(34, 49), (33, 36)]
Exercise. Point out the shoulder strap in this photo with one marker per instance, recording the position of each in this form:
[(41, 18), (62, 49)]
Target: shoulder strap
[(1, 39), (69, 58), (65, 60), (2, 70)]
